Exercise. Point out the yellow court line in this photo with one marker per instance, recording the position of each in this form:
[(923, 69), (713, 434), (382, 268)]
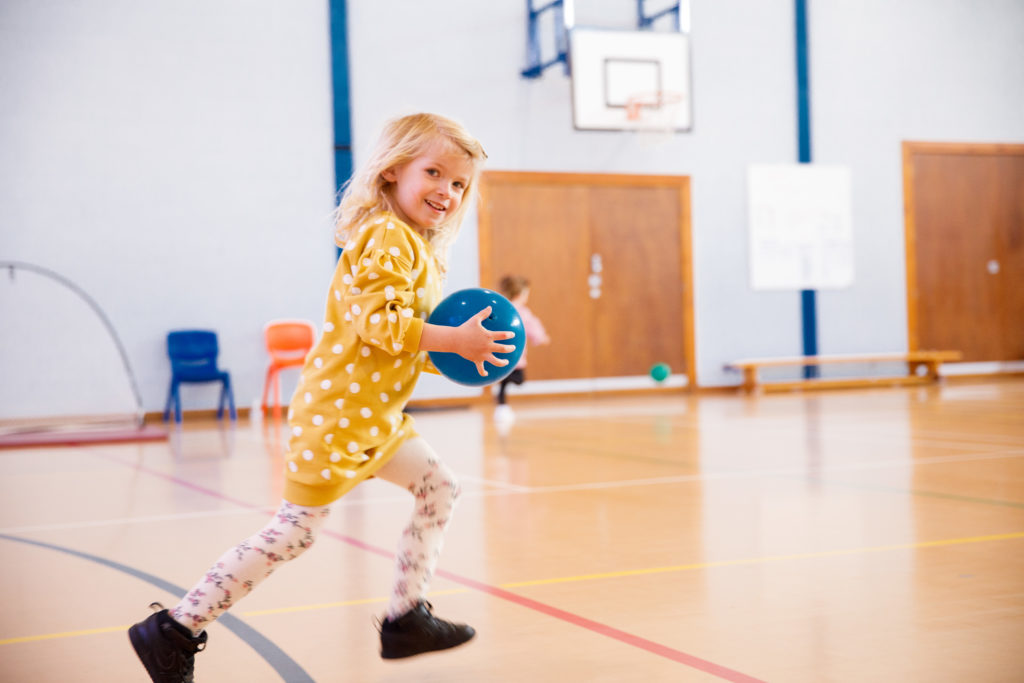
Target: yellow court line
[(64, 634), (763, 560), (581, 577), (328, 605)]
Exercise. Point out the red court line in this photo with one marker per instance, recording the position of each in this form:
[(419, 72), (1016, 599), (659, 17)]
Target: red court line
[(568, 617)]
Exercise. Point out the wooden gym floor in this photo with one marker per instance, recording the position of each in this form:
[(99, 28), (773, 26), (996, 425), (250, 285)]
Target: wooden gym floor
[(867, 535)]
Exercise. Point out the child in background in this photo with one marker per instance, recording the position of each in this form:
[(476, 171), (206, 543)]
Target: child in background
[(516, 289), (396, 219)]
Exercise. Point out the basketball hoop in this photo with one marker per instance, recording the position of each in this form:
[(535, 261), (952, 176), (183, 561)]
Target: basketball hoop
[(652, 105), (655, 114)]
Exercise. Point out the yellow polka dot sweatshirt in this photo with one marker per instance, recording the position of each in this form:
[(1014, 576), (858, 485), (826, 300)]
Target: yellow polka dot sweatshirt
[(346, 416)]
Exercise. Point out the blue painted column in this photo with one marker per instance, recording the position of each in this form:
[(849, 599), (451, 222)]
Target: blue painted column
[(808, 297), (339, 79)]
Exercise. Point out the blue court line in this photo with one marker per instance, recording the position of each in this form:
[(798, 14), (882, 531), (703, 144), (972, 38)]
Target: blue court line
[(285, 666)]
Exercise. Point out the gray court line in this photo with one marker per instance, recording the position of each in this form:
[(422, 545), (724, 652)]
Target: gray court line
[(285, 666)]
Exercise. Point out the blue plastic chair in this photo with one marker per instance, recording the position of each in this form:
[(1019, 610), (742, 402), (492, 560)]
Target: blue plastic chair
[(193, 355)]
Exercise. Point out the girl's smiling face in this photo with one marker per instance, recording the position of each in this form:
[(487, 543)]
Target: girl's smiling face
[(429, 189)]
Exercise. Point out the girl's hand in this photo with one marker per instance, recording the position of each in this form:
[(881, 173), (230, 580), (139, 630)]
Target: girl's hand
[(471, 340), (477, 344)]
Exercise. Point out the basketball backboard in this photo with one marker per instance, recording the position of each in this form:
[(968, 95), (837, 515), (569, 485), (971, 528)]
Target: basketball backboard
[(630, 80)]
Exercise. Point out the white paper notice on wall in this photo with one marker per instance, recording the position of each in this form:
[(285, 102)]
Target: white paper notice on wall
[(801, 234)]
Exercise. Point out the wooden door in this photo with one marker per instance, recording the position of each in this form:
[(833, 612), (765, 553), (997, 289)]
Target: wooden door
[(965, 248), (608, 258)]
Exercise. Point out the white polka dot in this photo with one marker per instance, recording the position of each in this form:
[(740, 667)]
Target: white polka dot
[(389, 292), (353, 447), (375, 377), (354, 268), (297, 430), (335, 456), (392, 317), (355, 290), (372, 276), (384, 398), (366, 412), (318, 362), (339, 403), (291, 414), (308, 397), (398, 386), (293, 467), (337, 348), (364, 352), (350, 368), (307, 454), (318, 420), (388, 265), (364, 457), (406, 312), (391, 226), (374, 431), (423, 314), (396, 346), (394, 251), (348, 317), (367, 263), (325, 385), (375, 318), (350, 473), (347, 279), (325, 473), (356, 310), (421, 293), (374, 340), (354, 387), (343, 423), (370, 243), (328, 326), (398, 362), (328, 437)]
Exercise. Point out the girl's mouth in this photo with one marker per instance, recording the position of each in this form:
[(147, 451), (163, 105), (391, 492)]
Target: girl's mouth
[(435, 206)]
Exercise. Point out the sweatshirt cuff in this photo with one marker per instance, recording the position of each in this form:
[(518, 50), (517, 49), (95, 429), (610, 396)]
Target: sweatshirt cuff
[(413, 334)]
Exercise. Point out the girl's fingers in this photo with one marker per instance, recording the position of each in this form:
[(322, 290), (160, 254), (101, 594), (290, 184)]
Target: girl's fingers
[(482, 314)]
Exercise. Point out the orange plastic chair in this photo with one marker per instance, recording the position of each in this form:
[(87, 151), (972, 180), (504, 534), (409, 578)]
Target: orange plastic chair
[(288, 341)]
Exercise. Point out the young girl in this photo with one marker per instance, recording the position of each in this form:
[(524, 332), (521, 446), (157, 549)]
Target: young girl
[(396, 220)]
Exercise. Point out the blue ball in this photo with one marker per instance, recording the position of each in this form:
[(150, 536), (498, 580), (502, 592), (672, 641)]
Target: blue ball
[(459, 307)]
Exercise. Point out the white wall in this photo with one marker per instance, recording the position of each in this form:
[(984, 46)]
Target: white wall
[(174, 159)]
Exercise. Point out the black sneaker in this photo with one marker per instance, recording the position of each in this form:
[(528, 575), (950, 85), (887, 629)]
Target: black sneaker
[(418, 631), (167, 649)]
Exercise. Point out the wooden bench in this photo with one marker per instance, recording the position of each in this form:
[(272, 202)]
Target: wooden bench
[(930, 360)]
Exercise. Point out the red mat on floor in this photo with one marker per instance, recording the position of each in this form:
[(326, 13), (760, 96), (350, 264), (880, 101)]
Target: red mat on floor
[(85, 436)]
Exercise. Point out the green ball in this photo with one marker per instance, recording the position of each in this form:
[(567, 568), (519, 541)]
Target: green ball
[(660, 372)]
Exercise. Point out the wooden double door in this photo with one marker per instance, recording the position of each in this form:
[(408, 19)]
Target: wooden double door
[(608, 258), (965, 248)]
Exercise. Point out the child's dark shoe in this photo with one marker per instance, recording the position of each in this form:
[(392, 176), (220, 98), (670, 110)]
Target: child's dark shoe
[(167, 649), (418, 631)]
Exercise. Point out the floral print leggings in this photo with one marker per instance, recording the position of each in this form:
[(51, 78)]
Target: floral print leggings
[(293, 529)]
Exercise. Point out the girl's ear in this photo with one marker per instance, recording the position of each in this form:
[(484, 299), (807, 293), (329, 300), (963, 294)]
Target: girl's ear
[(388, 174)]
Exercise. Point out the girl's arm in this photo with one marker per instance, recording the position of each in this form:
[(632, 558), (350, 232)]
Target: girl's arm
[(471, 340)]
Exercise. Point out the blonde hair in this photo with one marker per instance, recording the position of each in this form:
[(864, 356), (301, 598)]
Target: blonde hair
[(402, 140)]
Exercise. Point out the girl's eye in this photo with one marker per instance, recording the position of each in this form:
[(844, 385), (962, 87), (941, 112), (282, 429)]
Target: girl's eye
[(432, 171), (459, 184)]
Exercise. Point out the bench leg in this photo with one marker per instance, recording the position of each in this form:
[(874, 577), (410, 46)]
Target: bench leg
[(749, 380)]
